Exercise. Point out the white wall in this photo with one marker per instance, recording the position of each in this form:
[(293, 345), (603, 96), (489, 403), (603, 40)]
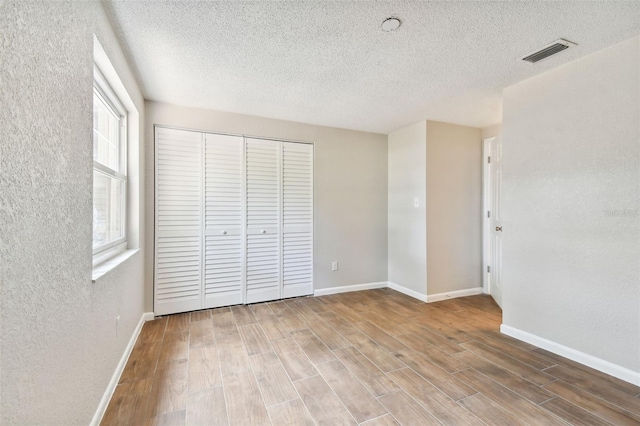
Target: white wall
[(491, 131), (454, 207), (571, 144), (407, 224), (350, 189), (59, 347)]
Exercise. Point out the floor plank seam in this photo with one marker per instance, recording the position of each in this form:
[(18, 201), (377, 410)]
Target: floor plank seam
[(304, 378)]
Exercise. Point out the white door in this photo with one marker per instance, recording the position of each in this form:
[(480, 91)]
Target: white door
[(224, 220), (263, 220), (495, 225), (178, 221), (297, 220)]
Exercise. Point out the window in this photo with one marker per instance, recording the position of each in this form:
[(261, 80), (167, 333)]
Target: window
[(109, 171)]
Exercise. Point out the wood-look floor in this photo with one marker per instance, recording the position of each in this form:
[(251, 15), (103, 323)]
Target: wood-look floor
[(373, 357)]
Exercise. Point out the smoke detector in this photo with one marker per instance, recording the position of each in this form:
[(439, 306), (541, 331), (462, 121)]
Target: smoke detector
[(390, 24), (548, 50)]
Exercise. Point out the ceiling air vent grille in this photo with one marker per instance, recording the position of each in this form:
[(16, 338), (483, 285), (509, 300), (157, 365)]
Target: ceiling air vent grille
[(545, 52)]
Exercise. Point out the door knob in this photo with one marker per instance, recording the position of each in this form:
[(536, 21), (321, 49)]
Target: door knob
[(264, 231), (224, 232), (499, 228)]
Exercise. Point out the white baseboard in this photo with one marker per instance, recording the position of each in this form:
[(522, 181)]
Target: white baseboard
[(348, 288), (453, 294), (401, 289), (606, 367), (408, 291), (147, 316), (108, 393)]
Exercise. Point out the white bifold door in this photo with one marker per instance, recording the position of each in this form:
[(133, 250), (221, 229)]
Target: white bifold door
[(297, 219), (264, 217), (178, 236), (234, 220), (223, 275)]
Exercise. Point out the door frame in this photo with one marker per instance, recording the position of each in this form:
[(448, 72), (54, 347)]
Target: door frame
[(486, 220)]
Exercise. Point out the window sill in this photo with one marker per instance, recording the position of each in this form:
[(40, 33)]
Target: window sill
[(104, 268)]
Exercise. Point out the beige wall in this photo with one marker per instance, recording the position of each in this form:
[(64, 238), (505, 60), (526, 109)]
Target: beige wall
[(408, 224), (350, 189), (437, 247), (454, 207), (571, 197), (59, 344)]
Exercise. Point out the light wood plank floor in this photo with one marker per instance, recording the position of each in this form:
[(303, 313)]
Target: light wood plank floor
[(373, 357)]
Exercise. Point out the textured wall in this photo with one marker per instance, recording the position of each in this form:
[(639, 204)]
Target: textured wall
[(571, 144), (408, 224), (454, 207), (350, 189), (59, 346)]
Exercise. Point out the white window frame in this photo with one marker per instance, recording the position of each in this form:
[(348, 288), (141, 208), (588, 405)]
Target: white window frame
[(102, 88)]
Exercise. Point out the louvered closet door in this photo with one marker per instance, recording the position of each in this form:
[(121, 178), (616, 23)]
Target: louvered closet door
[(224, 221), (178, 221), (263, 217), (297, 229)]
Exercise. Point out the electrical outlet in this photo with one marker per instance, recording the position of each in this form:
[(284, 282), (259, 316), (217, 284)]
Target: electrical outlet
[(334, 266), (117, 324)]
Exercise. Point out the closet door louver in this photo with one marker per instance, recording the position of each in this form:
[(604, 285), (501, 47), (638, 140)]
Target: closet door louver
[(224, 221), (263, 218), (178, 221), (297, 223)]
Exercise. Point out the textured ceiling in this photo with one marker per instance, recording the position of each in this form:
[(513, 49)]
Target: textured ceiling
[(329, 63)]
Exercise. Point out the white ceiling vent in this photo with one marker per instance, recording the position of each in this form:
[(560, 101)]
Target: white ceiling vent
[(550, 49)]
